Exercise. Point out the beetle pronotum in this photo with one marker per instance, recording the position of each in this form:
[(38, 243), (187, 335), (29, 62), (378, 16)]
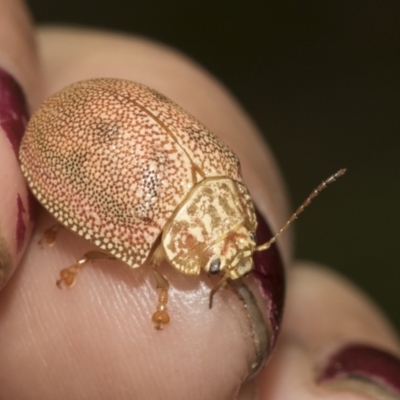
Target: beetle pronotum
[(130, 171)]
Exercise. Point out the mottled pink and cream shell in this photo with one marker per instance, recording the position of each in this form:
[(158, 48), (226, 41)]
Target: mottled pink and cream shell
[(112, 160)]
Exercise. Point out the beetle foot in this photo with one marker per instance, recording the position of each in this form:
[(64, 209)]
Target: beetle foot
[(50, 235), (161, 317), (68, 275)]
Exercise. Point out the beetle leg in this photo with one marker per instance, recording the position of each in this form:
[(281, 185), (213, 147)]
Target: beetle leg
[(50, 235), (160, 317), (219, 285), (68, 275)]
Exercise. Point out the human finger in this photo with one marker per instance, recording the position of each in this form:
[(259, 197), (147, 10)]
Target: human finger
[(335, 343), (19, 93), (202, 353)]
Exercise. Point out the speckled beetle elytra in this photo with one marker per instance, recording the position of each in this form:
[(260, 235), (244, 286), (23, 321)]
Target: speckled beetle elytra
[(130, 171)]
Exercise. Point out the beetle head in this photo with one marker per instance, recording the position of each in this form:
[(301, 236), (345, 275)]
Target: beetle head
[(232, 254)]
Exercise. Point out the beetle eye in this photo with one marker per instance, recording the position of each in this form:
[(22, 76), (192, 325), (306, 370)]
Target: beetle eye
[(215, 266), (253, 237)]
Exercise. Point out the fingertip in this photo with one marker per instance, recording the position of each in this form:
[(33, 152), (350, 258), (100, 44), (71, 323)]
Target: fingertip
[(335, 342)]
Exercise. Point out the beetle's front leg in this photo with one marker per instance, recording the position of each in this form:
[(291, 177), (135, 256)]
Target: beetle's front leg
[(160, 317), (221, 284), (68, 275)]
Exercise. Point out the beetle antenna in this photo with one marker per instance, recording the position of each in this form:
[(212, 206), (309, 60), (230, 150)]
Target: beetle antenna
[(309, 199)]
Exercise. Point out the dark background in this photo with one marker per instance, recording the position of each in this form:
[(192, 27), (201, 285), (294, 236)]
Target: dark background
[(322, 80)]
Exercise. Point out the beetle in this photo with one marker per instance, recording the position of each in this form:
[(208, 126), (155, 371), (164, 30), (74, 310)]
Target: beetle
[(130, 171)]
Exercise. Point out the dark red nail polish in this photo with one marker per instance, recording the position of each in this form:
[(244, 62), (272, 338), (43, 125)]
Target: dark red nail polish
[(364, 362), (20, 229), (13, 109), (269, 274)]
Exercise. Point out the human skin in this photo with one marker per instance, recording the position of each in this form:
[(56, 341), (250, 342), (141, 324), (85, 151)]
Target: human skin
[(96, 340)]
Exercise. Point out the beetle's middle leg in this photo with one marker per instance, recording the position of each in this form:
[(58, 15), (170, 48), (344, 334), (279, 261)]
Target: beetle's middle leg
[(68, 275), (160, 317)]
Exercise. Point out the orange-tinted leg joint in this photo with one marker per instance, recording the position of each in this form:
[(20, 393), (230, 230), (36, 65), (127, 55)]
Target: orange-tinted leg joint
[(161, 317)]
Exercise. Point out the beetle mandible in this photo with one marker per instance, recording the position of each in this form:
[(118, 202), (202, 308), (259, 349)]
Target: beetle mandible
[(133, 173)]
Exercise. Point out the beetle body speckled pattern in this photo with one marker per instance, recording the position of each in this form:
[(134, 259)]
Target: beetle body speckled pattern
[(112, 160), (118, 163)]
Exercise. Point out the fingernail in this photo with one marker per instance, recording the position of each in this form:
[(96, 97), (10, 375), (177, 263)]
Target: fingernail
[(13, 109), (362, 367), (270, 276), (248, 391)]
